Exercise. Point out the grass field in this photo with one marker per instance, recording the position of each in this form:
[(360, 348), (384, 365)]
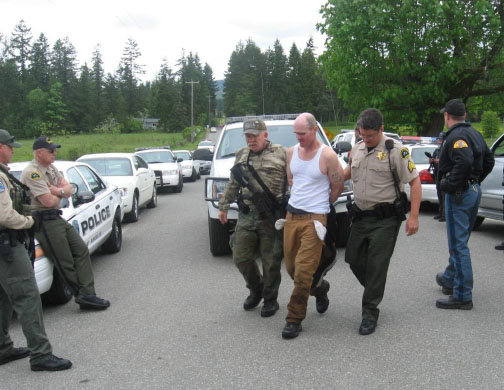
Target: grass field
[(74, 146)]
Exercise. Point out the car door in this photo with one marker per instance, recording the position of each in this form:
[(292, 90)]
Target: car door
[(142, 174), (492, 190)]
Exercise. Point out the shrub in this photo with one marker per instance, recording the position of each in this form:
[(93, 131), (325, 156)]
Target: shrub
[(490, 123)]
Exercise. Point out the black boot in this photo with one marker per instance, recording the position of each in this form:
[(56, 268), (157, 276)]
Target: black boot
[(269, 308), (51, 363), (253, 299), (91, 302), (291, 330), (322, 300)]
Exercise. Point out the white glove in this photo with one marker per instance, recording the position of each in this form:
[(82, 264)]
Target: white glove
[(279, 224), (320, 229)]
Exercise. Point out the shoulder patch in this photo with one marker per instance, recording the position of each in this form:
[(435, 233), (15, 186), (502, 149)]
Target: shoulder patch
[(404, 152), (411, 166), (2, 186), (35, 175), (460, 144)]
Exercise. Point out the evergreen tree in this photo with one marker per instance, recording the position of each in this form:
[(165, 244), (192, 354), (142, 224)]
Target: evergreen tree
[(57, 112), (97, 75), (20, 45), (129, 69), (40, 64)]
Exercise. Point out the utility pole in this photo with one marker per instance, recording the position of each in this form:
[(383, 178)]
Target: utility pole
[(209, 110), (192, 106)]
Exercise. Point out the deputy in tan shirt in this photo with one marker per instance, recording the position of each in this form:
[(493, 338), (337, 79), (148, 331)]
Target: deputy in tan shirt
[(376, 222)]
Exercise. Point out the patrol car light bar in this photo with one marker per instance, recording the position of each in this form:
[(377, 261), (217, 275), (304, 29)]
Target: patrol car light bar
[(152, 147), (275, 117)]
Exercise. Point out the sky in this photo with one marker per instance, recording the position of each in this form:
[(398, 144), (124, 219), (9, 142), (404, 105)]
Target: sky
[(165, 29)]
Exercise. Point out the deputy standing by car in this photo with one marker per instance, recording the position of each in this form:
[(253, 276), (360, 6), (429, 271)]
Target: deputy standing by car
[(464, 162), (59, 239), (255, 229), (376, 219), (18, 288)]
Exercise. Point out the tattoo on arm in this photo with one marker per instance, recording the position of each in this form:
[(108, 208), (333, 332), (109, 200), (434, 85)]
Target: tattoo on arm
[(336, 177)]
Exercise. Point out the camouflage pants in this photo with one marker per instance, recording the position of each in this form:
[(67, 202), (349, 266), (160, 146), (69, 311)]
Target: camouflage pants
[(255, 237), (302, 248)]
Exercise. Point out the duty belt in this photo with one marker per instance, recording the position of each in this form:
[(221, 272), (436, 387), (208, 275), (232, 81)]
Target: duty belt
[(47, 215), (380, 211)]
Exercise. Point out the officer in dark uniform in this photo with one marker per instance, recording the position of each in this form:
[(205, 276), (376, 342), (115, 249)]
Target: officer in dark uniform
[(18, 288), (464, 163), (434, 161)]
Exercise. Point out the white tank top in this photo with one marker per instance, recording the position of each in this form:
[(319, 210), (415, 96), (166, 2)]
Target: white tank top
[(310, 188)]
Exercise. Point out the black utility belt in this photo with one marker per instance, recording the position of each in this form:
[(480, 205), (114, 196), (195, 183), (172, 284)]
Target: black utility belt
[(380, 211), (47, 215)]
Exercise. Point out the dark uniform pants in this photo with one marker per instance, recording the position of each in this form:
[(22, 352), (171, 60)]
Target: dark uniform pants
[(71, 252), (368, 252), (302, 248), (19, 293), (255, 237)]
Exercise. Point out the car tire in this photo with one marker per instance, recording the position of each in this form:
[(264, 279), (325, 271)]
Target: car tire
[(344, 224), (199, 175), (180, 185), (194, 175), (478, 222), (114, 241), (219, 237), (59, 293), (132, 216), (153, 203)]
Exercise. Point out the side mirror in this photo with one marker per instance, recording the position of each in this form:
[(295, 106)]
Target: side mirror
[(142, 170), (180, 159), (428, 154), (83, 197), (342, 147)]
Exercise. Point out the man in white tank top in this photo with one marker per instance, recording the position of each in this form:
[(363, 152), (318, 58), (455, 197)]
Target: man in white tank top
[(316, 180)]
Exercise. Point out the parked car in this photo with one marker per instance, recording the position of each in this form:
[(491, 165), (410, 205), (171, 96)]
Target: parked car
[(492, 189), (190, 168), (95, 211), (166, 166), (206, 144), (213, 129), (421, 160), (280, 131), (130, 173), (204, 158)]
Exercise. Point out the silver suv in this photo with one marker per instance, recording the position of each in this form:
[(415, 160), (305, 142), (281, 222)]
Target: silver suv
[(280, 131), (492, 190)]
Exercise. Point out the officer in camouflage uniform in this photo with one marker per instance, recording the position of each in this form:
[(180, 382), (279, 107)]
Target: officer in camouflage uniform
[(255, 231), (59, 239), (18, 288)]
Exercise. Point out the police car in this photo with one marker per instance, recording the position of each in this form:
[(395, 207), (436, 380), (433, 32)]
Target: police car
[(165, 165), (280, 131), (130, 173), (190, 168), (95, 211), (492, 188)]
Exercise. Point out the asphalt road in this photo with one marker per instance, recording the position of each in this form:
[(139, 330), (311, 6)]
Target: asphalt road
[(176, 320)]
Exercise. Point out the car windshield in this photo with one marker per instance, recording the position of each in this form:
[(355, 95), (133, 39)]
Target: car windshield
[(113, 166), (183, 155), (418, 154), (205, 143), (233, 139), (157, 157)]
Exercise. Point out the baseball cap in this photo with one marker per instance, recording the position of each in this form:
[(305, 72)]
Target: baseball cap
[(454, 107), (253, 126), (7, 139), (45, 143)]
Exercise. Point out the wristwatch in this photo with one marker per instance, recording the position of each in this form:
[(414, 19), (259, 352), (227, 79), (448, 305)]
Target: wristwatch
[(62, 192)]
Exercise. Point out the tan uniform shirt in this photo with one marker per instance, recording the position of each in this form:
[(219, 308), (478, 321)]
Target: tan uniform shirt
[(270, 166), (372, 179), (10, 218), (37, 178)]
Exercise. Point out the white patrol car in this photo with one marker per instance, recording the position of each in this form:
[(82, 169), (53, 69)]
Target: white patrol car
[(165, 165), (280, 131), (130, 173), (95, 211), (190, 167)]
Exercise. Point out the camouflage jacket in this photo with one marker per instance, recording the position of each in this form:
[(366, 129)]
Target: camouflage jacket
[(270, 164)]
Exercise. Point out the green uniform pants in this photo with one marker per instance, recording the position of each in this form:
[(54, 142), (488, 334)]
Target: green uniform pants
[(368, 252), (255, 237), (71, 252), (19, 293)]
